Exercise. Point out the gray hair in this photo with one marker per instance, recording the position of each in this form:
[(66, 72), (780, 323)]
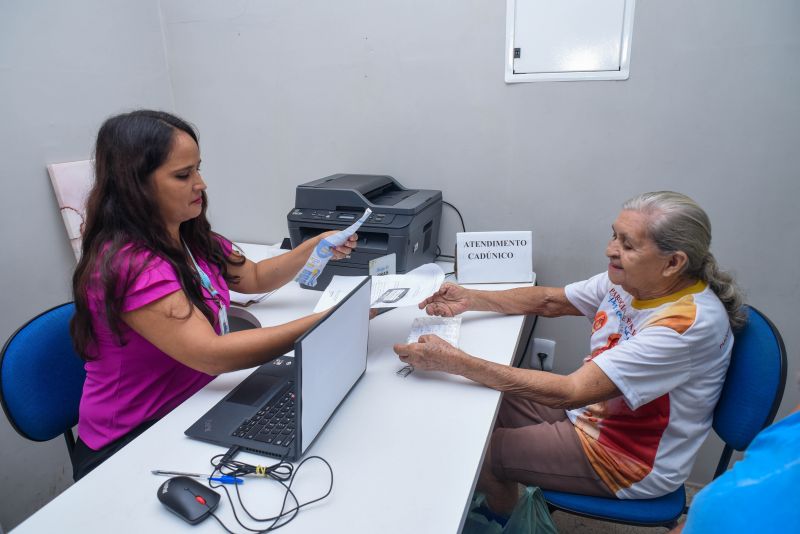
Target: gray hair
[(678, 223)]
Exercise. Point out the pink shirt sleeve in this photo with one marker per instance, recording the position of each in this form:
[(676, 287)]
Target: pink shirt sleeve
[(159, 279), (156, 281)]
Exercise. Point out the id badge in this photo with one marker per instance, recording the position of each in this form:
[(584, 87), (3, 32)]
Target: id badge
[(222, 315)]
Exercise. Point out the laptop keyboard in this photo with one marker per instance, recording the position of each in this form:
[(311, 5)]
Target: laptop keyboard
[(273, 423)]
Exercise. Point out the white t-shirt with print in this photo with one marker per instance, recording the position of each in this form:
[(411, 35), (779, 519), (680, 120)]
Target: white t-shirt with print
[(668, 357)]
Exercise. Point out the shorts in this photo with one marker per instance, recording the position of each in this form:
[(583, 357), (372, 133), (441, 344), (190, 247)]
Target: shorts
[(539, 446)]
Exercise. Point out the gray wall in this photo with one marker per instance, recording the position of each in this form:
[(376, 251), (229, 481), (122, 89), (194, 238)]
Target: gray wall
[(285, 92), (64, 67)]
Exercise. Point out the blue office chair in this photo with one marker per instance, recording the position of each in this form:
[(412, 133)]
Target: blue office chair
[(750, 398), (41, 378)]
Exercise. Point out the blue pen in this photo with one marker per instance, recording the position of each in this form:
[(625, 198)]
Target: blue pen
[(227, 479), (224, 479)]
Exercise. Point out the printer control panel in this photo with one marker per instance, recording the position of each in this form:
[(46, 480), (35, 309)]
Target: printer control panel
[(347, 217)]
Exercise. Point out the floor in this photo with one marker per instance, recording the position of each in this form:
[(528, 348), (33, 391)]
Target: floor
[(569, 524)]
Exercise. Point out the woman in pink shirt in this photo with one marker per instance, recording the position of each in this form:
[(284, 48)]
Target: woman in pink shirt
[(152, 286)]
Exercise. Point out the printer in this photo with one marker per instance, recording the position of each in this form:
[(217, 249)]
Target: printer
[(403, 221)]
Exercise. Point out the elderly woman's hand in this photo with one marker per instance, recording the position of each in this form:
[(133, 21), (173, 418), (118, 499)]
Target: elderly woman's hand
[(430, 353), (450, 300)]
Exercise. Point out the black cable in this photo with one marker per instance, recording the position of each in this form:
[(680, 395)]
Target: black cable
[(221, 523), (463, 228), (280, 478), (281, 515), (280, 471), (438, 254), (274, 519), (226, 465), (289, 491)]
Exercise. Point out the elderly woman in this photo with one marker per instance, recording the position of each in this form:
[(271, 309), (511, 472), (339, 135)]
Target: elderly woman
[(629, 422)]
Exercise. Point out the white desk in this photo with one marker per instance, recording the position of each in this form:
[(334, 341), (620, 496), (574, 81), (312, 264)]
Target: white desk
[(405, 452)]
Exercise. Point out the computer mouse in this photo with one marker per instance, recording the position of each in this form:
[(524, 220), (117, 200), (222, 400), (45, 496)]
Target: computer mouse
[(188, 498)]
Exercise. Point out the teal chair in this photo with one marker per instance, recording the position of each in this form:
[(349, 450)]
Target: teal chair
[(750, 398), (41, 378)]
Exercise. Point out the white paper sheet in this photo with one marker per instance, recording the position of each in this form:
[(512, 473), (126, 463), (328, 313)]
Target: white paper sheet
[(397, 290), (447, 328), (388, 291), (337, 289)]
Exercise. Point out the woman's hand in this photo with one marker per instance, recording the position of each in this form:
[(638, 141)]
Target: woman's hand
[(344, 250), (430, 353), (450, 300)]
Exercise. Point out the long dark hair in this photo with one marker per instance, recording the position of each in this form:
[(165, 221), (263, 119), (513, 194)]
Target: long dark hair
[(121, 212)]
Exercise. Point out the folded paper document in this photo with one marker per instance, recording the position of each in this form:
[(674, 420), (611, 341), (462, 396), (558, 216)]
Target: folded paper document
[(323, 252)]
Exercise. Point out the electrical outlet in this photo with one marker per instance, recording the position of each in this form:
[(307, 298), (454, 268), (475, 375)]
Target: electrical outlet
[(542, 346)]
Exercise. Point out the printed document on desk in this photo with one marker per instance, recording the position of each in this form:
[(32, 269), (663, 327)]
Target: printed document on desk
[(388, 291)]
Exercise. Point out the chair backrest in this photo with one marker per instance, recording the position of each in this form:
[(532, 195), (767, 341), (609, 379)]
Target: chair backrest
[(753, 385), (41, 377)]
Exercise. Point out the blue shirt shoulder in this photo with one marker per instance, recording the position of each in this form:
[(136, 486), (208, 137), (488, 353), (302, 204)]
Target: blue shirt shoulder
[(759, 493)]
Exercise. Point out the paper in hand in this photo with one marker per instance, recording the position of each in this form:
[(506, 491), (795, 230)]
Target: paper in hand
[(323, 252), (447, 328), (398, 290), (388, 291)]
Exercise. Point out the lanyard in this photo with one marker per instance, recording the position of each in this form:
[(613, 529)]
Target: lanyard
[(205, 281)]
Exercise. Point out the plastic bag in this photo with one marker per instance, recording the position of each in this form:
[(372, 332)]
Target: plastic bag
[(530, 516)]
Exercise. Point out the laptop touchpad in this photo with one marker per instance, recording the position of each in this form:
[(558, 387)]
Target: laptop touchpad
[(253, 388)]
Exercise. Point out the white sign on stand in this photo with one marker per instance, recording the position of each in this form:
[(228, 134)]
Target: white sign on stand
[(491, 257)]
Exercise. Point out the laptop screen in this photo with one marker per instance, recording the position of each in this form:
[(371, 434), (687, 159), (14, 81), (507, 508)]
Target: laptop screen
[(333, 356)]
